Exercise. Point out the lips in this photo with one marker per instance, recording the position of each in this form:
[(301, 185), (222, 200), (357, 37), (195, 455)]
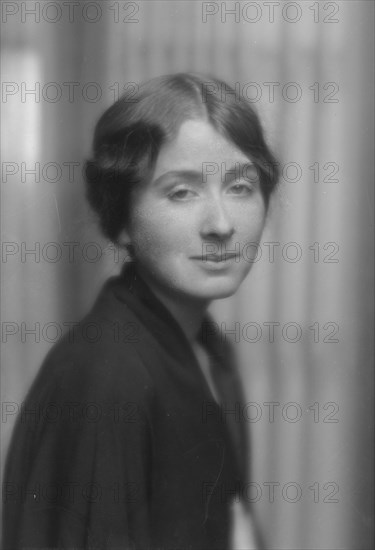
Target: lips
[(216, 257)]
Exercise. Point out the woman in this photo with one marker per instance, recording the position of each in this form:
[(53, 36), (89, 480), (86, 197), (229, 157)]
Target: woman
[(128, 439)]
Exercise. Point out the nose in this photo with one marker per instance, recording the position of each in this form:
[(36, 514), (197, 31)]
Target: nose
[(217, 223)]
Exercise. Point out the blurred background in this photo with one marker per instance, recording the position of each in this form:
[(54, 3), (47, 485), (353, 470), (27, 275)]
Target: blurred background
[(302, 323)]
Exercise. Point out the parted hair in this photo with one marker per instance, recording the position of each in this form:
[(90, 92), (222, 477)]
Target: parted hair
[(129, 135)]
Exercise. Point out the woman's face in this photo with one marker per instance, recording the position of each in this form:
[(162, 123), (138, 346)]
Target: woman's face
[(196, 223)]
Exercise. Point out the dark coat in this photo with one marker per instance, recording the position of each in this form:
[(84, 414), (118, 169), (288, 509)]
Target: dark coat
[(120, 444)]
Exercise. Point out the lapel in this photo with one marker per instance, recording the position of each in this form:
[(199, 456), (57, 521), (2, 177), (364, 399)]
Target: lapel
[(229, 385), (194, 414)]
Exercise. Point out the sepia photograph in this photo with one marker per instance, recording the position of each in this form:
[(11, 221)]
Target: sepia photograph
[(187, 267)]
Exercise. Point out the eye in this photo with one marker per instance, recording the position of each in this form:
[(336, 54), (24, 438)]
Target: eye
[(181, 194), (241, 189)]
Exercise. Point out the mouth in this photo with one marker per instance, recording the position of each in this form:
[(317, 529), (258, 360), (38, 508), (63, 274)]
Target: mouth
[(217, 258)]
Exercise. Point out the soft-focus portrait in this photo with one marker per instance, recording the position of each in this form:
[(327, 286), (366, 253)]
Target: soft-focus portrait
[(187, 297), (168, 465)]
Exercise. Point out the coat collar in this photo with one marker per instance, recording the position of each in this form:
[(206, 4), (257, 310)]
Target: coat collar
[(134, 291), (157, 319)]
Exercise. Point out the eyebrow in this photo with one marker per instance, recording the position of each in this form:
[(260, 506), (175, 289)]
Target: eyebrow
[(198, 176), (190, 175)]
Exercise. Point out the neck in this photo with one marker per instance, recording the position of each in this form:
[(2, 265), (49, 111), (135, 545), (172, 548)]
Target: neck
[(188, 313)]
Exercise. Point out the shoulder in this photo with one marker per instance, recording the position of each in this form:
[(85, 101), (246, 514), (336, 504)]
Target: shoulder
[(97, 358)]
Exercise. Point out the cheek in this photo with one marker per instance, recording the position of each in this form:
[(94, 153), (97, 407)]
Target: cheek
[(250, 221), (155, 234)]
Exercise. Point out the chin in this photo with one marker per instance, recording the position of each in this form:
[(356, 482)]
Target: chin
[(217, 290)]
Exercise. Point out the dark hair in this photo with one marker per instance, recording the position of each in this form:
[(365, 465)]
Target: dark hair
[(129, 135)]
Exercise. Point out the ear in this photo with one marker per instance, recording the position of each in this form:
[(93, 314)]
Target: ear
[(124, 237)]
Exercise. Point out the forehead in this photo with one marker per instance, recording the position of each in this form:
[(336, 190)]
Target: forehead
[(197, 142)]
